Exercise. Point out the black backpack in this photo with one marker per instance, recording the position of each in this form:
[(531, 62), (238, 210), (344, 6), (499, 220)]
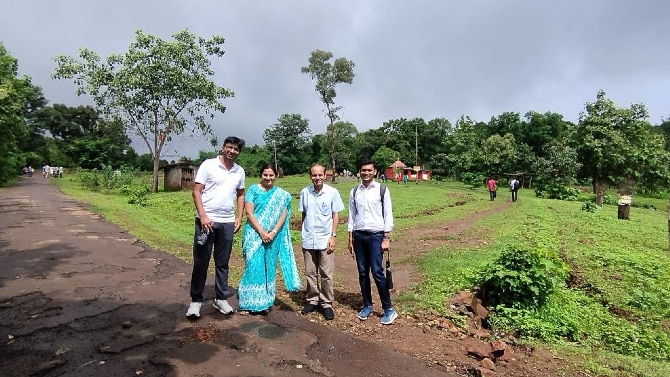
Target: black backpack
[(516, 184)]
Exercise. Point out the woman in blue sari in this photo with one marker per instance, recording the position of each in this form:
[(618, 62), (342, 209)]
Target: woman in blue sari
[(266, 238)]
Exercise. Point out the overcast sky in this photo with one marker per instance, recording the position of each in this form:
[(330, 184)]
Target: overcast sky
[(428, 59)]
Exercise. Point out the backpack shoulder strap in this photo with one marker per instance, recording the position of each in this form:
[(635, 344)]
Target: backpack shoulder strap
[(382, 192)]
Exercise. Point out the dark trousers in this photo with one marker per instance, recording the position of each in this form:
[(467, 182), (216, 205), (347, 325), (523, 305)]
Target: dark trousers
[(492, 194), (369, 257), (514, 192), (222, 242)]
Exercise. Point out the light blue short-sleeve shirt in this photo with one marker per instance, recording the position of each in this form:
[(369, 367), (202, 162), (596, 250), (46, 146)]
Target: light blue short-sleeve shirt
[(318, 209)]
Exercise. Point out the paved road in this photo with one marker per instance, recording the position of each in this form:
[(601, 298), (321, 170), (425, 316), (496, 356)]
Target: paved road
[(81, 297)]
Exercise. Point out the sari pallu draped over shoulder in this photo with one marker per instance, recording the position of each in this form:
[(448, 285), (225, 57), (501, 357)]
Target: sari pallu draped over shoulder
[(257, 287)]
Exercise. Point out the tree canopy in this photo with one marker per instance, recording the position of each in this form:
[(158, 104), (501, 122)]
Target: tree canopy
[(158, 88), (327, 76)]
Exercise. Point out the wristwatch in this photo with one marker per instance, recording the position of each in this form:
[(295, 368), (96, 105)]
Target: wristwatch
[(333, 235)]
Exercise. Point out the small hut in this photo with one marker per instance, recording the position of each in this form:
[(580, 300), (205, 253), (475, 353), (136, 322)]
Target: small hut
[(394, 169), (416, 173), (179, 176)]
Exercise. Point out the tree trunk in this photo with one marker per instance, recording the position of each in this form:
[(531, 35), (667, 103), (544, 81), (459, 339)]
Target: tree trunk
[(332, 163), (624, 212), (599, 190), (154, 175)]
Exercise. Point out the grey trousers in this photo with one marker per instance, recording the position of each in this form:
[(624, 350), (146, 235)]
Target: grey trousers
[(319, 268)]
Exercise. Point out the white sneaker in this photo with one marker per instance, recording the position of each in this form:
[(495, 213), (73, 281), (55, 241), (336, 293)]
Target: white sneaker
[(223, 306), (194, 310)]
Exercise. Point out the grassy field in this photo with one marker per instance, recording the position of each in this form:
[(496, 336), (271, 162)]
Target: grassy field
[(613, 313)]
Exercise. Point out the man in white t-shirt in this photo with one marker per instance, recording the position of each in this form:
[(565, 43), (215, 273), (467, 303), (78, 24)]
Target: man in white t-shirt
[(218, 195)]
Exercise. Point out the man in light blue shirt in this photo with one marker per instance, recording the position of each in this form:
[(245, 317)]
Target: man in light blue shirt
[(319, 204)]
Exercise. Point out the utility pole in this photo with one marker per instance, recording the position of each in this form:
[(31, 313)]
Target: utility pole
[(416, 145)]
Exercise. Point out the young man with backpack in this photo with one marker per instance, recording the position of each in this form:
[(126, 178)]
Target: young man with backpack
[(370, 223), (514, 187)]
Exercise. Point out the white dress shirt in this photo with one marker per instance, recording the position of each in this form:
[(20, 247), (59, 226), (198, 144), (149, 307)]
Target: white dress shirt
[(365, 210)]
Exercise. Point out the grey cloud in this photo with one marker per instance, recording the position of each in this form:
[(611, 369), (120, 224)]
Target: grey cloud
[(430, 58)]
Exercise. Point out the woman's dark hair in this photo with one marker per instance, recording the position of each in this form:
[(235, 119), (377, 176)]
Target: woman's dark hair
[(268, 166), (234, 140)]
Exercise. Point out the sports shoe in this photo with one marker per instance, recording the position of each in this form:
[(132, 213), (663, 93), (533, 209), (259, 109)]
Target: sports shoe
[(364, 313), (389, 316), (223, 306), (328, 314), (308, 309), (194, 310)]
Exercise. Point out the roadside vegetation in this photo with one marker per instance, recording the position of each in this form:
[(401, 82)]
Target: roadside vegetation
[(587, 285)]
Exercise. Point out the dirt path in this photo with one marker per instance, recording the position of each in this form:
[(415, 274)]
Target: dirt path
[(80, 297)]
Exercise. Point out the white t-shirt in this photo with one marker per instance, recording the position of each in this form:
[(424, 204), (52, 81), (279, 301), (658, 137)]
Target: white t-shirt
[(220, 189)]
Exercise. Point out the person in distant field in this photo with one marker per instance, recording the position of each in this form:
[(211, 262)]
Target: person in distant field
[(370, 223), (218, 195), (46, 170), (30, 171), (398, 177), (60, 172), (514, 187), (492, 186), (319, 204), (405, 178)]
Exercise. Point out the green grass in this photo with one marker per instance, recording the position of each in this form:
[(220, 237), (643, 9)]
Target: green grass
[(613, 317)]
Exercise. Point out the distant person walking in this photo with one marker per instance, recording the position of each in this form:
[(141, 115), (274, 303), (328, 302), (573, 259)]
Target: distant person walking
[(218, 195), (370, 223), (319, 204), (514, 188), (492, 186)]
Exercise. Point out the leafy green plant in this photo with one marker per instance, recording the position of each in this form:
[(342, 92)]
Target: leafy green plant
[(521, 278), (139, 195), (556, 191), (590, 207), (88, 179), (473, 179)]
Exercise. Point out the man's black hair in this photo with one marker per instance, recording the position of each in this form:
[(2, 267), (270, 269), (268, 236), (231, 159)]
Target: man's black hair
[(235, 141), (365, 161)]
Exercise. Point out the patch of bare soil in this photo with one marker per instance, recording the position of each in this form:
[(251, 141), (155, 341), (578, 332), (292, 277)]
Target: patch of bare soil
[(470, 351)]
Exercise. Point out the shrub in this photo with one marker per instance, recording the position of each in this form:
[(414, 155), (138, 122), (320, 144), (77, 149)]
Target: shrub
[(555, 191), (521, 278), (590, 207), (474, 179), (138, 195), (88, 179)]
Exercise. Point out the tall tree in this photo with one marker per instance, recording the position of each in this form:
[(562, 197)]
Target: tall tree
[(615, 145), (498, 154), (327, 76), (541, 129), (463, 146), (288, 139), (88, 140), (18, 96), (160, 88)]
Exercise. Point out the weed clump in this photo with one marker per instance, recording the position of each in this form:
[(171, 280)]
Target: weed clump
[(521, 278)]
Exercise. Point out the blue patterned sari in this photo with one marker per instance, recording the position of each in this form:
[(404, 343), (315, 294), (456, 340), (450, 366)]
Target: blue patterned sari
[(257, 287)]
